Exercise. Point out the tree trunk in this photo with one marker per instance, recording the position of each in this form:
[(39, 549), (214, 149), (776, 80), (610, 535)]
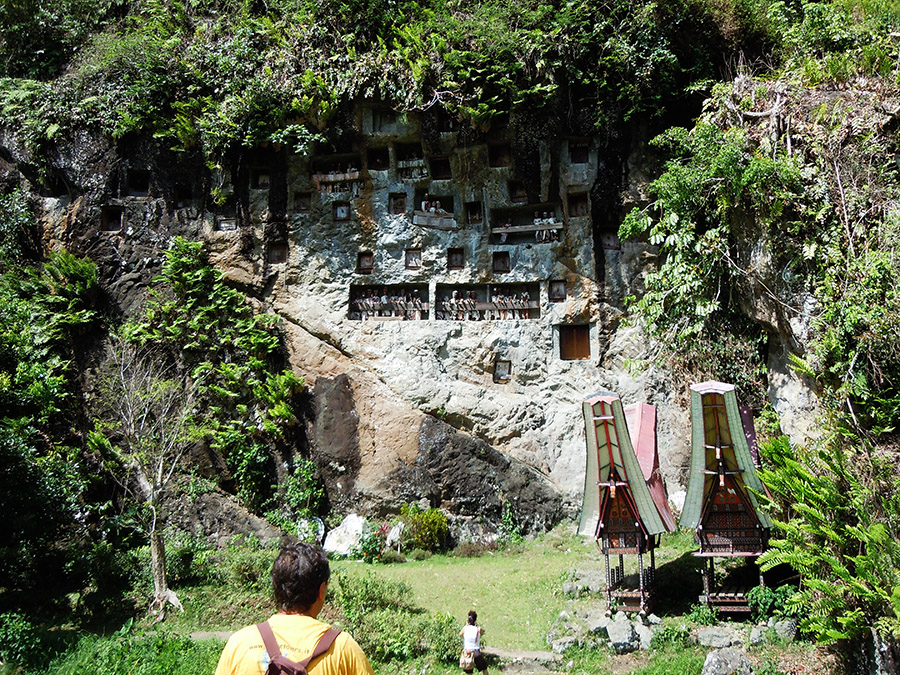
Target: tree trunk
[(161, 592), (885, 655), (158, 564)]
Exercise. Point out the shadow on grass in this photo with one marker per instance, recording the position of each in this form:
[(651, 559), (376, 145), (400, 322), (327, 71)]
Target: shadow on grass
[(678, 585)]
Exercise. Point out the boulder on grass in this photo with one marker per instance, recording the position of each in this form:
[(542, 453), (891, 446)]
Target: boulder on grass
[(727, 661), (346, 536)]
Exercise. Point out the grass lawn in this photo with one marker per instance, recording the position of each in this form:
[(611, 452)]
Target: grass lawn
[(517, 593)]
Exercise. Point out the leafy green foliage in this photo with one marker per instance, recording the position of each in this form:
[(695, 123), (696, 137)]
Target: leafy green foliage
[(230, 352), (703, 614), (425, 529), (20, 641), (389, 635), (827, 217), (140, 653), (835, 41), (16, 227), (715, 186), (245, 564), (766, 602), (715, 180), (43, 476), (838, 533), (304, 494), (223, 76), (671, 635), (386, 625), (370, 546), (358, 596), (510, 532), (37, 38)]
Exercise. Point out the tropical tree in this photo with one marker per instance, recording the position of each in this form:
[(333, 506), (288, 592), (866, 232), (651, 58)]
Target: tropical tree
[(145, 425)]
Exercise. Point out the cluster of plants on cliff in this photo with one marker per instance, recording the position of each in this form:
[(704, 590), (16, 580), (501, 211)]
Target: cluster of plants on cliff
[(47, 310), (199, 367), (230, 74), (230, 353), (715, 186), (801, 224)]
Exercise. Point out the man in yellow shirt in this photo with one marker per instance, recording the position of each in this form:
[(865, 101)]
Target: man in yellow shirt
[(299, 578)]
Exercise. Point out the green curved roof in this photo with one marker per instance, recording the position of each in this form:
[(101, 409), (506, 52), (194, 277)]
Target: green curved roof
[(728, 433), (609, 444)]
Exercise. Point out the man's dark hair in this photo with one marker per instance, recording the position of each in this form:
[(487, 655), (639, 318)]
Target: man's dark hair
[(298, 573)]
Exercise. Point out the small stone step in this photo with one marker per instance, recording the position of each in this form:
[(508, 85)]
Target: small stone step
[(523, 662)]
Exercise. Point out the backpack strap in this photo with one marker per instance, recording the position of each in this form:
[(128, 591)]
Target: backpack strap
[(269, 640), (322, 646)]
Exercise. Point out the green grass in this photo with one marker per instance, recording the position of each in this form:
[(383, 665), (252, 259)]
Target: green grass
[(215, 608), (686, 661), (517, 595), (140, 654)]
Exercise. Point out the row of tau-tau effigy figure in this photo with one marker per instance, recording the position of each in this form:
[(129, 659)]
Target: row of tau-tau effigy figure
[(626, 508)]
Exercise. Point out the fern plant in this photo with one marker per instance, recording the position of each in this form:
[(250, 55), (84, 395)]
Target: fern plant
[(230, 352), (836, 508)]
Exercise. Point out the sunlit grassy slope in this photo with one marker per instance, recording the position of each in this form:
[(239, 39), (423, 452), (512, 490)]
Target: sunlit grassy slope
[(517, 594)]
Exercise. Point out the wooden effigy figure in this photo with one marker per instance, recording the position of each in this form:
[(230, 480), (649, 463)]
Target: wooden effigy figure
[(720, 502), (625, 506)]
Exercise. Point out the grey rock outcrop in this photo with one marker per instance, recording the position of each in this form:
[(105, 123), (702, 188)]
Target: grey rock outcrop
[(622, 638), (785, 630), (216, 517), (560, 645), (644, 634), (757, 636), (715, 638), (346, 536), (727, 662)]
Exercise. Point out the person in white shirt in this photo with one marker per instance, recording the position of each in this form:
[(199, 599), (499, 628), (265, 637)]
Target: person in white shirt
[(471, 635)]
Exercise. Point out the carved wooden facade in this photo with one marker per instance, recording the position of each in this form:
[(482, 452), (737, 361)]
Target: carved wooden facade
[(625, 506), (720, 503)]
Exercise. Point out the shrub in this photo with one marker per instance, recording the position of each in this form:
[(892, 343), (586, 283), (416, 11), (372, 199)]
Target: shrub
[(304, 494), (766, 601), (389, 555), (474, 549), (370, 546), (246, 564), (424, 529), (188, 559), (20, 640), (671, 635), (703, 614), (510, 532), (387, 635), (152, 653), (356, 596), (419, 554)]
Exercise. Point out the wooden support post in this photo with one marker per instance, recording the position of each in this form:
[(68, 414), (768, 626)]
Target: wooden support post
[(608, 584), (707, 579), (641, 580)]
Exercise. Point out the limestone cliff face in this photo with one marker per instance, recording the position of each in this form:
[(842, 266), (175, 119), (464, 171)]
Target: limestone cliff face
[(448, 348)]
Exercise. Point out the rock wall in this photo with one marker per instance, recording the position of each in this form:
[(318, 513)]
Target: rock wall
[(467, 409)]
